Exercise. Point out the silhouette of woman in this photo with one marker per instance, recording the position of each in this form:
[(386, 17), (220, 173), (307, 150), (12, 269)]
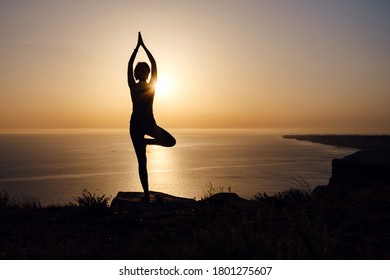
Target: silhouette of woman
[(142, 121)]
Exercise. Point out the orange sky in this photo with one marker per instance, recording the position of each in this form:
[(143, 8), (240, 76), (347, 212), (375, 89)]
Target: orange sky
[(317, 65)]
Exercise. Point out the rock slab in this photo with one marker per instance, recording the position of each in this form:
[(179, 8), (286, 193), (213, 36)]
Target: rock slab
[(125, 200)]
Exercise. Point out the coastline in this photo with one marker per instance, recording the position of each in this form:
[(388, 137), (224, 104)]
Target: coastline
[(361, 142)]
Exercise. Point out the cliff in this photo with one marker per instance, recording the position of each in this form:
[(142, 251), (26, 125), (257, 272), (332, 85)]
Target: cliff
[(365, 168)]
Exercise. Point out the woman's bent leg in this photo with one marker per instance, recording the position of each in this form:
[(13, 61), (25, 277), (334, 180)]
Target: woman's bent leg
[(161, 137)]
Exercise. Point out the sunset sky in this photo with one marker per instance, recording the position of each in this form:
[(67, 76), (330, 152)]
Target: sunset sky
[(288, 64)]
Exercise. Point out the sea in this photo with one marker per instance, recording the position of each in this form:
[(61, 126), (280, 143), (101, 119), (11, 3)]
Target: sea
[(54, 167)]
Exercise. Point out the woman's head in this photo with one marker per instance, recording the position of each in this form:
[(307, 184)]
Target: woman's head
[(141, 71)]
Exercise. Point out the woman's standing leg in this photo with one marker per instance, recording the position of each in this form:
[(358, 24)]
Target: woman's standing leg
[(139, 144)]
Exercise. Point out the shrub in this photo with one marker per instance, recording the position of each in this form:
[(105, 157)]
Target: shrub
[(92, 200), (209, 190), (4, 199)]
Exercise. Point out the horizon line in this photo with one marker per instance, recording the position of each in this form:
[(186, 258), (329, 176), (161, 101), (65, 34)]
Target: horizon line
[(323, 131)]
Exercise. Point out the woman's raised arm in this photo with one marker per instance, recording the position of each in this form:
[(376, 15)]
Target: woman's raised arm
[(153, 77), (130, 66)]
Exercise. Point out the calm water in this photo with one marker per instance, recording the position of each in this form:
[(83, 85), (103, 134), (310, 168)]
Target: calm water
[(54, 168)]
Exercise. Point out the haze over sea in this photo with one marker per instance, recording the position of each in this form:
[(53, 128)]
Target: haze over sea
[(55, 166)]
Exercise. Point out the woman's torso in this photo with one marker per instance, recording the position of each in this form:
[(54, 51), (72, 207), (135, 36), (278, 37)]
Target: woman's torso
[(142, 96)]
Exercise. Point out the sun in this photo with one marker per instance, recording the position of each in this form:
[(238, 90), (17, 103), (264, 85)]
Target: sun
[(163, 86)]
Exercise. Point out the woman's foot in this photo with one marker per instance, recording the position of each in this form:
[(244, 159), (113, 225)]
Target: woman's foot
[(145, 199)]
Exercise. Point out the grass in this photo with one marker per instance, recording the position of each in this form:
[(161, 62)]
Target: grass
[(86, 200), (299, 192), (26, 202)]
